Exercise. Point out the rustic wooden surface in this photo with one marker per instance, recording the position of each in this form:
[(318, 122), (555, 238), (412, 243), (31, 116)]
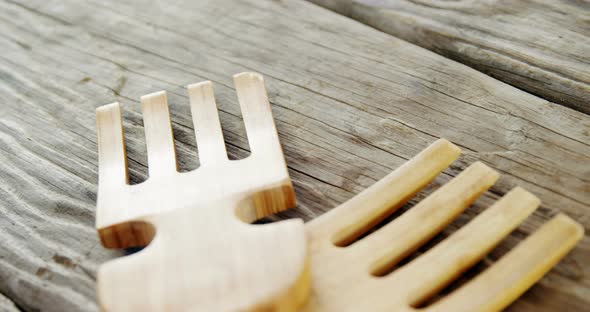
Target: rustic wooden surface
[(541, 46), (351, 104)]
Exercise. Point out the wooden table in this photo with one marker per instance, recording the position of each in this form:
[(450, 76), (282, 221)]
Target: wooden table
[(351, 104), (540, 46)]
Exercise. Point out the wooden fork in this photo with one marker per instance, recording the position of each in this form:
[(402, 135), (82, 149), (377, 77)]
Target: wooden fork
[(203, 255), (349, 276)]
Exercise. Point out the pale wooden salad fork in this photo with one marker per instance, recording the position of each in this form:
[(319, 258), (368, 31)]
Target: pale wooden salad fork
[(351, 274), (202, 254)]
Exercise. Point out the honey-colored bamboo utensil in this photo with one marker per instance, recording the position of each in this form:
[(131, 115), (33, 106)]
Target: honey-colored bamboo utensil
[(203, 256), (350, 274)]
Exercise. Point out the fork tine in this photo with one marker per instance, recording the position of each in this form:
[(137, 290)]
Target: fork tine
[(432, 215), (158, 132), (439, 266), (515, 272), (354, 217), (260, 126), (206, 122), (112, 159)]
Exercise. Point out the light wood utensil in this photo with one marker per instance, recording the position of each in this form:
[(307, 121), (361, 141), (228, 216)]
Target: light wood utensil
[(202, 253), (350, 275)]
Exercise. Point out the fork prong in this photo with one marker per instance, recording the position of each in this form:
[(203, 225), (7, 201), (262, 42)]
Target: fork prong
[(112, 159), (426, 219), (515, 272), (158, 133), (206, 122), (351, 219), (258, 119), (439, 266)]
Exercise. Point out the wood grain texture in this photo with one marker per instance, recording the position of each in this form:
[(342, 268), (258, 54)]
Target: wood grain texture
[(540, 46), (350, 103)]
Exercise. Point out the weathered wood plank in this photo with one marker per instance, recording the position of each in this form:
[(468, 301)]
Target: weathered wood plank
[(351, 104), (540, 46)]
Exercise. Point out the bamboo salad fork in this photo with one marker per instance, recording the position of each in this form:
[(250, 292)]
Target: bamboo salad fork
[(352, 274), (203, 256), (202, 253)]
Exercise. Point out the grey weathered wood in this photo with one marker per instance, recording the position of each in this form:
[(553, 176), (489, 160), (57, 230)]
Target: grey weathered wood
[(351, 104), (541, 46)]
